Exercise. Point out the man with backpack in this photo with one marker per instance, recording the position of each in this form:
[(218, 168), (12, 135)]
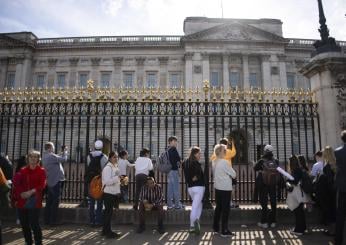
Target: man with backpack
[(96, 161), (268, 180)]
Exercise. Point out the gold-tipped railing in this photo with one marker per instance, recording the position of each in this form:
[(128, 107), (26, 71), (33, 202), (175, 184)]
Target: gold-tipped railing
[(206, 93)]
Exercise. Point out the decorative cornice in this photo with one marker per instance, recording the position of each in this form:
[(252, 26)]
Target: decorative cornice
[(52, 62), (188, 55), (3, 60), (205, 56), (20, 59), (95, 61), (265, 57), (282, 57), (163, 60), (140, 60), (73, 61), (117, 61)]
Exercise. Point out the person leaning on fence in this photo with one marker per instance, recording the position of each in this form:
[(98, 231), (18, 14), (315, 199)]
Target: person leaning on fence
[(55, 179), (27, 194), (223, 175), (96, 161), (143, 166), (296, 196), (340, 182), (123, 167), (151, 199), (111, 191), (194, 178), (266, 184)]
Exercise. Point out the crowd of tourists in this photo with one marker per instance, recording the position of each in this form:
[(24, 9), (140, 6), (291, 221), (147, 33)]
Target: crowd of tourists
[(107, 183)]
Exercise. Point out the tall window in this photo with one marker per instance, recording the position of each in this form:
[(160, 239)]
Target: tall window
[(174, 80), (40, 80), (214, 79), (61, 80), (290, 81), (83, 78), (105, 79), (253, 80), (10, 80), (152, 80), (234, 79), (128, 79)]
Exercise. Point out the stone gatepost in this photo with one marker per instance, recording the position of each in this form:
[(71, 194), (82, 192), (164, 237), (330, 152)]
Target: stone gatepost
[(327, 73)]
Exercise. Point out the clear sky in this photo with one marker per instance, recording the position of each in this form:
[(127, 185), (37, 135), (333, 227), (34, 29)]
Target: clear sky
[(58, 18)]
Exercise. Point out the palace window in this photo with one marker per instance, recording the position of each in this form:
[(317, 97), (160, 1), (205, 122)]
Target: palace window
[(151, 80), (83, 78), (214, 79), (128, 79), (290, 81), (234, 79), (105, 79), (40, 80), (253, 80), (174, 80), (10, 80), (61, 77)]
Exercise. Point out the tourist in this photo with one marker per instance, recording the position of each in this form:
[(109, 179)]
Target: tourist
[(194, 178), (123, 167), (21, 162), (27, 197), (143, 165), (150, 200), (340, 182), (111, 191), (6, 166), (95, 163), (266, 185), (223, 175), (173, 192), (317, 168), (55, 179)]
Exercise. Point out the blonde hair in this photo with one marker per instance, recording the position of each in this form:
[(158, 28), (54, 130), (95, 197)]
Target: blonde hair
[(329, 156), (33, 153), (218, 149)]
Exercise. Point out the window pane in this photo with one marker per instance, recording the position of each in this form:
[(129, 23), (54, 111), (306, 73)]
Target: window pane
[(214, 79), (40, 81), (105, 80), (290, 81), (253, 80), (175, 80), (83, 78), (152, 80), (10, 80), (128, 80), (61, 80), (234, 79)]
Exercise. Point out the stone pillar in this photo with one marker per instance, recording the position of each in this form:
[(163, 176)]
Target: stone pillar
[(225, 65), (163, 73), (51, 73), (140, 72), (266, 74), (283, 73), (95, 76), (327, 72), (188, 71), (246, 82), (27, 71), (3, 71), (19, 71), (73, 72), (116, 81), (205, 67)]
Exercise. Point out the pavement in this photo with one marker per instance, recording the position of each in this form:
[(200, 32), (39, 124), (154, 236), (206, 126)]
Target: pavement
[(175, 235)]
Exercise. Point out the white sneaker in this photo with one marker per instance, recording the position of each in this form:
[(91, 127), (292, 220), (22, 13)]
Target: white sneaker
[(262, 225), (272, 225), (296, 233)]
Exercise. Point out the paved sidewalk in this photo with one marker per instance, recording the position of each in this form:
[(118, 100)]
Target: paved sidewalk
[(74, 234)]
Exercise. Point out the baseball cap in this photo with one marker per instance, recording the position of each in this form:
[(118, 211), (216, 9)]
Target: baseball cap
[(268, 148), (98, 145)]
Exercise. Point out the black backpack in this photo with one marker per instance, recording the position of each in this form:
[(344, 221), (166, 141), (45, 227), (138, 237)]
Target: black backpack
[(94, 167), (306, 183), (270, 175)]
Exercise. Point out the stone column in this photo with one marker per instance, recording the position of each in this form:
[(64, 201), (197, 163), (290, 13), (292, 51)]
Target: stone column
[(95, 76), (140, 72), (73, 72), (3, 71), (164, 83), (266, 75), (283, 73), (225, 65), (27, 71), (116, 81), (246, 82), (188, 70), (205, 67), (327, 72), (51, 73), (19, 71)]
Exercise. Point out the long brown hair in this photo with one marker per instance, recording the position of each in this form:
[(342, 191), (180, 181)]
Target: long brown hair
[(193, 151), (293, 163)]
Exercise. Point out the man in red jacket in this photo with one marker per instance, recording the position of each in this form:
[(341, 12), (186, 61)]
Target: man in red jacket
[(28, 186)]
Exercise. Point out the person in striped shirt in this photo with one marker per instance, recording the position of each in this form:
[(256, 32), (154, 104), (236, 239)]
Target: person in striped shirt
[(150, 198)]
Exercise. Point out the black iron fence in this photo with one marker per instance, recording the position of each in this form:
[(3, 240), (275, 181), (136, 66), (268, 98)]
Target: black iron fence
[(291, 127)]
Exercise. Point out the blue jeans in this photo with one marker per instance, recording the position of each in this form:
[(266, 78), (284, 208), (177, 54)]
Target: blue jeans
[(95, 216), (52, 203), (124, 189), (173, 189)]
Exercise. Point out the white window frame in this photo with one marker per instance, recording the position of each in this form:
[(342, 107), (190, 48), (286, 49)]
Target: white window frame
[(126, 82), (86, 80), (57, 79), (238, 79), (152, 84), (38, 83), (177, 83), (108, 73)]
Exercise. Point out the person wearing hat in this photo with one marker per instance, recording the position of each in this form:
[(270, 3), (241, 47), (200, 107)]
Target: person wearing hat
[(96, 161), (266, 183)]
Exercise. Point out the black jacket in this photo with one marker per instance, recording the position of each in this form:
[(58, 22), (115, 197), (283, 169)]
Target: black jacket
[(340, 179), (192, 169), (174, 158), (267, 156)]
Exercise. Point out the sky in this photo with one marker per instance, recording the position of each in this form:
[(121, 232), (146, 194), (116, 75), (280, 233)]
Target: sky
[(72, 18)]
